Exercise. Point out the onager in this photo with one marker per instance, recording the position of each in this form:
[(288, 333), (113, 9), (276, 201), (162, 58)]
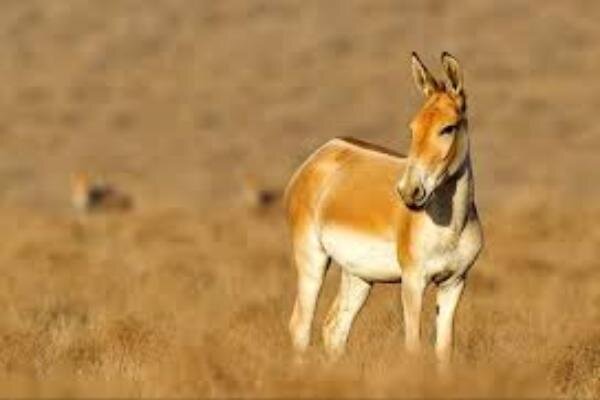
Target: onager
[(89, 195), (387, 218)]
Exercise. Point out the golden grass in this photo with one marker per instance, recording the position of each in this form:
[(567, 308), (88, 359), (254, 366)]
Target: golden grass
[(163, 304), (189, 294)]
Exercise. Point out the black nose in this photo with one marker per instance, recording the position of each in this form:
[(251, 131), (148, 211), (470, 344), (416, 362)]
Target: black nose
[(418, 194)]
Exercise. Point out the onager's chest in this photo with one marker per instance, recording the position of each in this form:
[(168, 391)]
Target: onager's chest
[(441, 252), (435, 251)]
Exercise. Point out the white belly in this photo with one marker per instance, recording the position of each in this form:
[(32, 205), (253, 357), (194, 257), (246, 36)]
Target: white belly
[(369, 257)]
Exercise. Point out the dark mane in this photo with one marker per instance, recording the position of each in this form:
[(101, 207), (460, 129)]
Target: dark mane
[(371, 146)]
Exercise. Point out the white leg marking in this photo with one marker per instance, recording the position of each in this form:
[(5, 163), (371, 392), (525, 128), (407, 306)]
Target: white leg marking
[(352, 295), (311, 263), (412, 300), (447, 301)]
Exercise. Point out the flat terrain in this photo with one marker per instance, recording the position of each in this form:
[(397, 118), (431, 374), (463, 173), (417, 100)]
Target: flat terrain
[(189, 294)]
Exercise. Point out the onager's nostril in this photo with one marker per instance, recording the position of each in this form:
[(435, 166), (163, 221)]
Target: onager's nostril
[(418, 193)]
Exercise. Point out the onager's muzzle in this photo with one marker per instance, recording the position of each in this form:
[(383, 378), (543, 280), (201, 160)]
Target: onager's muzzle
[(412, 190)]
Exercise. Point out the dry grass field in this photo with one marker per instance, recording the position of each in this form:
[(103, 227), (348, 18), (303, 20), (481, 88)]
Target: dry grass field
[(190, 293)]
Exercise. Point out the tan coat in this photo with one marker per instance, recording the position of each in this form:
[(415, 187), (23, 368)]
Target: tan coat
[(384, 217)]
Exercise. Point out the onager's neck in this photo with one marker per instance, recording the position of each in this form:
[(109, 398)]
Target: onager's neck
[(453, 200)]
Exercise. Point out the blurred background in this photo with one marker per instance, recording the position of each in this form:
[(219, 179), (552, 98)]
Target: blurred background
[(196, 109)]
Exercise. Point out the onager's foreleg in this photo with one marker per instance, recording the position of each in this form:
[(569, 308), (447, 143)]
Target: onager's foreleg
[(447, 300), (351, 297), (413, 288)]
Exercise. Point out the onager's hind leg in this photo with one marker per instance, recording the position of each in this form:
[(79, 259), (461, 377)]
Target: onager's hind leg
[(351, 297), (311, 263), (447, 300)]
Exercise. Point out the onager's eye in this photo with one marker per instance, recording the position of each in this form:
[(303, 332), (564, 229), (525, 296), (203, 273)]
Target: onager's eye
[(448, 130)]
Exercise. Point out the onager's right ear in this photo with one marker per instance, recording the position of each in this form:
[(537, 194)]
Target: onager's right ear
[(425, 82), (454, 76)]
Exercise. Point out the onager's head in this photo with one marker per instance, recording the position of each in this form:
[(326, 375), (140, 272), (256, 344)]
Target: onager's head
[(439, 144)]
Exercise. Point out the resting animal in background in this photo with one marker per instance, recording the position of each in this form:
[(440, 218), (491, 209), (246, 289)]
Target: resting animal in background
[(89, 196), (387, 218), (258, 197)]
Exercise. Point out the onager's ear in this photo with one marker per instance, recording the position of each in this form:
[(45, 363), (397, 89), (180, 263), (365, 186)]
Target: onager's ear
[(423, 79), (454, 77)]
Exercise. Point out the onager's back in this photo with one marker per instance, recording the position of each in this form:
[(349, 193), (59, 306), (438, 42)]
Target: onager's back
[(383, 217)]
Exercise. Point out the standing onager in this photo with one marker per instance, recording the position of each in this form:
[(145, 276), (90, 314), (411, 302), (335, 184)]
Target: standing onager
[(383, 217)]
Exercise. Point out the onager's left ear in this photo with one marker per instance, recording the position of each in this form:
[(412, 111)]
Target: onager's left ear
[(454, 77), (425, 82)]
